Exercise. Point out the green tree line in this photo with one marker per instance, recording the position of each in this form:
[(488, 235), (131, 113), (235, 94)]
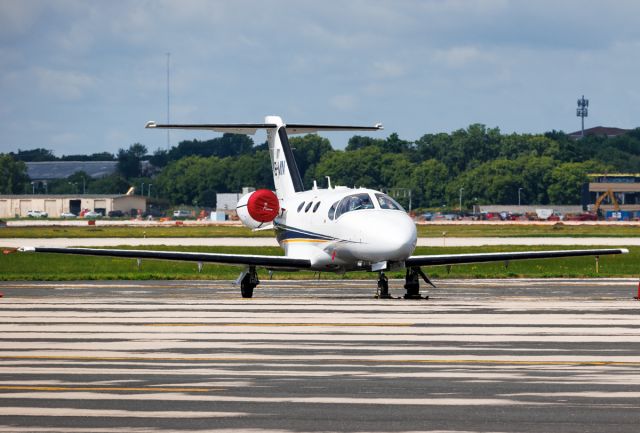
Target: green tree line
[(489, 167)]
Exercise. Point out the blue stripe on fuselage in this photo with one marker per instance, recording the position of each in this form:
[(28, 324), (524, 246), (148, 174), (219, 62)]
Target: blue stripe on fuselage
[(284, 233)]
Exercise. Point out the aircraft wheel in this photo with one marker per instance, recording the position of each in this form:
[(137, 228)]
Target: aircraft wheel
[(247, 290), (249, 282), (412, 285)]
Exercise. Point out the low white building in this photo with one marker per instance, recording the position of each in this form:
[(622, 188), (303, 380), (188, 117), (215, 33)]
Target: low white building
[(227, 202), (55, 204)]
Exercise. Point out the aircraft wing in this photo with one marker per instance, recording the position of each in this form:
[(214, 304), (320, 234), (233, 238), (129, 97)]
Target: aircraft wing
[(456, 259), (271, 262)]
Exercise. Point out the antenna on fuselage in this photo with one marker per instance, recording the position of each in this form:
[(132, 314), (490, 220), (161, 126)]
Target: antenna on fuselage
[(328, 182)]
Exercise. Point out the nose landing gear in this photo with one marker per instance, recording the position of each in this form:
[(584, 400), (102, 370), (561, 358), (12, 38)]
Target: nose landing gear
[(383, 287)]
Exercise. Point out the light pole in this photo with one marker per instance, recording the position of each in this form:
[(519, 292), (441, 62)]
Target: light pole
[(33, 187), (142, 189), (84, 185), (519, 189), (149, 189), (582, 111), (461, 189), (168, 94)]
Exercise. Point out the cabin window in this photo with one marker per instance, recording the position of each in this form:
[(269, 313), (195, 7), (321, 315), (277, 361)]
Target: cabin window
[(315, 208), (300, 207), (306, 209), (354, 202), (332, 210), (387, 202)]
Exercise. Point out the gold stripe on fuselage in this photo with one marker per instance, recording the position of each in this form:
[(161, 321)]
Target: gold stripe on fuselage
[(304, 240)]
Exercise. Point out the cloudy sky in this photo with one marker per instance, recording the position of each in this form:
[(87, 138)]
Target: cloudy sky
[(84, 76)]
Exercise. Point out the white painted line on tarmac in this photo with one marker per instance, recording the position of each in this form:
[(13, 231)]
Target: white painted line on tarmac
[(69, 412)]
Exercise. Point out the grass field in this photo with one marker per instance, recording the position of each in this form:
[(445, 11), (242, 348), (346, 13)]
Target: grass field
[(130, 232), (55, 267), (426, 230)]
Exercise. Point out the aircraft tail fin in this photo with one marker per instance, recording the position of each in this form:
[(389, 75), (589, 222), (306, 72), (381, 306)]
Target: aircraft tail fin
[(286, 175)]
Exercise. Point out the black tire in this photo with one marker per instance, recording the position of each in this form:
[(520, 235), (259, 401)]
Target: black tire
[(246, 290)]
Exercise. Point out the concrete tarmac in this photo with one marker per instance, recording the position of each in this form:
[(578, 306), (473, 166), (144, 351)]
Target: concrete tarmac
[(479, 356)]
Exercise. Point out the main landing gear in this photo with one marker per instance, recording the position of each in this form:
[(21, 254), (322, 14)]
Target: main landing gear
[(248, 281), (411, 285)]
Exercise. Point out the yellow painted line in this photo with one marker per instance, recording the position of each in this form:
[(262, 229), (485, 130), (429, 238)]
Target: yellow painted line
[(515, 362), (280, 324), (336, 360), (102, 388)]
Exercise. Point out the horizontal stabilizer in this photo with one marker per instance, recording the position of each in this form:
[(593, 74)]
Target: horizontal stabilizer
[(295, 128), (232, 128), (251, 128)]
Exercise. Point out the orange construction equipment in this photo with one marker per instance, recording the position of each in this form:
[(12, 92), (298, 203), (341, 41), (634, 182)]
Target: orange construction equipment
[(612, 198)]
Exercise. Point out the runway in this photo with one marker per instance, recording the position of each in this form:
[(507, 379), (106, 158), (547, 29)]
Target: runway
[(479, 355)]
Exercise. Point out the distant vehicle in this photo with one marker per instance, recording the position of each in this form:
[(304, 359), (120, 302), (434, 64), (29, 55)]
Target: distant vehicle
[(155, 213), (37, 214), (427, 216), (115, 214), (181, 213), (92, 214), (68, 215), (556, 217), (583, 217)]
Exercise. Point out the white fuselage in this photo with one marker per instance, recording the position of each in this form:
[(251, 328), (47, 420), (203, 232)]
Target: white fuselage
[(348, 236)]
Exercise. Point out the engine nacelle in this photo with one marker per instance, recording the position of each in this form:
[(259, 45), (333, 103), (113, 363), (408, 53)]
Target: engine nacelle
[(258, 208)]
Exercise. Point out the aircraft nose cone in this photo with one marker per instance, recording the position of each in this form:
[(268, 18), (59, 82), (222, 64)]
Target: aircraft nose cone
[(390, 236), (400, 235)]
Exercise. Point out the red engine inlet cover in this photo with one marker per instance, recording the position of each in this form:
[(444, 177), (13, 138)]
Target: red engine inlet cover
[(263, 205)]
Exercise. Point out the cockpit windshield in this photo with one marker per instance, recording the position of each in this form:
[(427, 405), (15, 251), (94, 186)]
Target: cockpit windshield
[(354, 202), (387, 202)]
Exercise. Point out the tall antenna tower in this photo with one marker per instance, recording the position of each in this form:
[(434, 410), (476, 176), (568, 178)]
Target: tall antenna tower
[(168, 101), (582, 111)]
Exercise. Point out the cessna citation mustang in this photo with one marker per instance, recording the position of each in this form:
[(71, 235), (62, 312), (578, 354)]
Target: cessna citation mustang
[(337, 229)]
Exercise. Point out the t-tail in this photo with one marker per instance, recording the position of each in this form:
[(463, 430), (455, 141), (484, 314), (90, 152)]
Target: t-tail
[(286, 176)]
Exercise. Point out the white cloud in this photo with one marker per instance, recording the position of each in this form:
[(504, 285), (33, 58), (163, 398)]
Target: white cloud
[(18, 17), (452, 62), (343, 102), (389, 69), (64, 139), (459, 57), (63, 85)]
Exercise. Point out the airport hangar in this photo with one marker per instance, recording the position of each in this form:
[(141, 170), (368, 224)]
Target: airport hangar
[(55, 204)]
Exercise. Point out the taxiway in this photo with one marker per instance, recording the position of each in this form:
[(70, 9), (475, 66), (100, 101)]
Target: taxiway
[(480, 355)]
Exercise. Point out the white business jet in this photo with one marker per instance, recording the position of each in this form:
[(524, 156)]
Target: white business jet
[(337, 229)]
